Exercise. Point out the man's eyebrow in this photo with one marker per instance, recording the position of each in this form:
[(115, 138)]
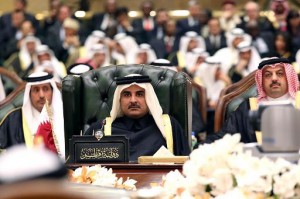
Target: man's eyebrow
[(267, 71)]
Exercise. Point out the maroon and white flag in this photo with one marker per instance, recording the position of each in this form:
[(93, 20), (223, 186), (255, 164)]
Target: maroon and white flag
[(45, 130)]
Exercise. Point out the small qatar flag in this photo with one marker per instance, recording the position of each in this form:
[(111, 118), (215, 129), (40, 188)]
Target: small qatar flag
[(44, 131)]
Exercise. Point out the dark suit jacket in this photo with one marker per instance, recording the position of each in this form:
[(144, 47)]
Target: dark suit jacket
[(263, 23), (54, 42), (159, 47), (182, 26), (140, 34), (96, 22), (155, 30), (5, 20), (211, 49)]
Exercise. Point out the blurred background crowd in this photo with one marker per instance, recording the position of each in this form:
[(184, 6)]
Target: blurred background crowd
[(216, 42)]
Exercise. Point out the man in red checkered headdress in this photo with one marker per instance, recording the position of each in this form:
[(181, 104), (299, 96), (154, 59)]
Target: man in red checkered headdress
[(276, 80)]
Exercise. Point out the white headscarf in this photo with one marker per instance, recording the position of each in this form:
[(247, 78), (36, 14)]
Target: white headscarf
[(151, 99), (59, 68), (229, 55), (93, 39), (129, 46), (196, 53), (24, 55), (206, 72), (164, 63), (185, 40), (255, 58), (31, 115), (147, 49), (78, 69), (100, 48), (237, 32), (2, 91)]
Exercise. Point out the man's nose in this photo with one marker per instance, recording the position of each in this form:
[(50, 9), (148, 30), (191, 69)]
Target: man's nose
[(133, 98), (41, 94), (274, 76)]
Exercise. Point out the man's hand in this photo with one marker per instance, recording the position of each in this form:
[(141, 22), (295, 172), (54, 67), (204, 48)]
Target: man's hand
[(242, 65), (220, 75), (126, 24), (72, 41)]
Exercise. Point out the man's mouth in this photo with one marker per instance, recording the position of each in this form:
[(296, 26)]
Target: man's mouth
[(275, 85), (41, 101), (133, 107)]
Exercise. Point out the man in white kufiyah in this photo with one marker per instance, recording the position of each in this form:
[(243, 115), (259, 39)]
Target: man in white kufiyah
[(234, 37), (137, 114), (22, 62), (197, 57), (145, 54), (26, 53), (248, 61), (187, 43), (213, 79), (95, 37), (99, 56), (46, 61), (20, 125), (124, 49)]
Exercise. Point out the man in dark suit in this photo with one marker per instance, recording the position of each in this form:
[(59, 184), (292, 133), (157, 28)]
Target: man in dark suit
[(57, 35), (161, 19), (216, 38), (166, 46), (191, 23), (252, 11), (263, 41), (11, 32), (105, 21), (143, 26), (20, 6)]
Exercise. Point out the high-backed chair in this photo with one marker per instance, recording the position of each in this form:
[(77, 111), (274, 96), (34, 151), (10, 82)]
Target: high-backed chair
[(10, 80), (200, 95), (232, 97), (88, 98), (12, 101)]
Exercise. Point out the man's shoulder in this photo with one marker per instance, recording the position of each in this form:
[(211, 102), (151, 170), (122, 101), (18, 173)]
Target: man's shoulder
[(12, 114), (244, 103), (174, 121)]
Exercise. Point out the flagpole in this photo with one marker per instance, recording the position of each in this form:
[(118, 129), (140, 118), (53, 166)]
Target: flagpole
[(50, 114)]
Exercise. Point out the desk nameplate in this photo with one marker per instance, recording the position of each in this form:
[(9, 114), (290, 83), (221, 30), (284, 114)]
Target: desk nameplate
[(88, 149)]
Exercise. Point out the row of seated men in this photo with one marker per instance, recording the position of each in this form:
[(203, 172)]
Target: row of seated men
[(172, 40), (137, 114)]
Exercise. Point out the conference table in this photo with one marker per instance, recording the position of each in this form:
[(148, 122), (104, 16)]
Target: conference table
[(145, 174)]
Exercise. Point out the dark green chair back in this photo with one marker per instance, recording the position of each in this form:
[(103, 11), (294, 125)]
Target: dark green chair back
[(12, 101), (232, 97), (10, 80), (88, 98)]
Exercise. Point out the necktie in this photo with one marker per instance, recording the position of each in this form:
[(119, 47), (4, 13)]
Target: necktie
[(215, 42), (168, 45), (147, 25)]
